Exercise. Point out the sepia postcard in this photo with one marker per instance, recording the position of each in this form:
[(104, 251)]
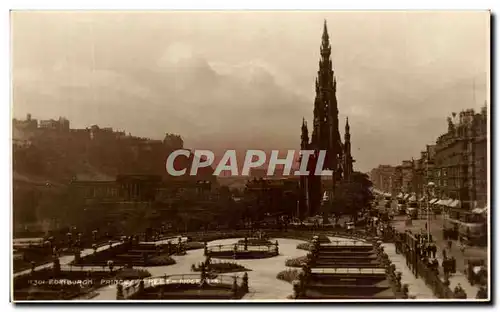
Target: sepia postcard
[(250, 156)]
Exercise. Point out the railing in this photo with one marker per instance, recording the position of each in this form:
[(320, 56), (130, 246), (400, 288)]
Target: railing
[(434, 282), (300, 233), (419, 269), (346, 243), (132, 287), (95, 268), (348, 270), (159, 240), (240, 247), (289, 228)]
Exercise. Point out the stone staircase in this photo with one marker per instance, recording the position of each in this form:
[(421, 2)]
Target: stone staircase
[(355, 256), (348, 286), (351, 270)]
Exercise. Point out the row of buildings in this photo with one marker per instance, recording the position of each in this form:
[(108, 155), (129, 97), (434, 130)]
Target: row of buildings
[(25, 132), (457, 164)]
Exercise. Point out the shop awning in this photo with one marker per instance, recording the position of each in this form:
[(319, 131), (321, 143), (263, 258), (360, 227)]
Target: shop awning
[(433, 201), (454, 204), (448, 202), (412, 198), (440, 202), (423, 198), (406, 196), (480, 210), (400, 195), (387, 194)]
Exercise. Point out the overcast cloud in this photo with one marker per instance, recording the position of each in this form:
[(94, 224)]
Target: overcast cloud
[(245, 80)]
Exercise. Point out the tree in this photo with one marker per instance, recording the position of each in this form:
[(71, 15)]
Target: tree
[(352, 196)]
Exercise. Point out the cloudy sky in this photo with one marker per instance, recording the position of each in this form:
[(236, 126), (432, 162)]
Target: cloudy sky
[(238, 80)]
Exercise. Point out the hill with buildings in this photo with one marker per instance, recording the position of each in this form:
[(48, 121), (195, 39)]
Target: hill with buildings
[(48, 155), (51, 150)]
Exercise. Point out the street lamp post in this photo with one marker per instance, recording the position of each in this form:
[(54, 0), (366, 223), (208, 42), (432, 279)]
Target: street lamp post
[(430, 187)]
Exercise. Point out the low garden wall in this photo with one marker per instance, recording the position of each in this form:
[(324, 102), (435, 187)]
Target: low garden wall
[(206, 286)]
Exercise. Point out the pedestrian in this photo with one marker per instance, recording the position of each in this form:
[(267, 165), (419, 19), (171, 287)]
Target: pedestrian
[(482, 293), (433, 250), (449, 244), (446, 269), (453, 265), (462, 248), (444, 253), (435, 265)]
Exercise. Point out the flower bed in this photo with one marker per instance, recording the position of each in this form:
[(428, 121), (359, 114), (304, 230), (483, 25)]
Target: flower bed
[(221, 267), (132, 274), (323, 239), (193, 245), (288, 275), (296, 262), (256, 242), (160, 260), (304, 246)]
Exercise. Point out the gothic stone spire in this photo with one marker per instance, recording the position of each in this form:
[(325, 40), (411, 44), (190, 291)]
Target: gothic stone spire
[(347, 135), (304, 138), (326, 135)]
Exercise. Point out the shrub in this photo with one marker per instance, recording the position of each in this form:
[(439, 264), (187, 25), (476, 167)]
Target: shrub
[(161, 260), (226, 267), (221, 267), (296, 262), (288, 275), (256, 242), (304, 246), (128, 274), (323, 239), (193, 245)]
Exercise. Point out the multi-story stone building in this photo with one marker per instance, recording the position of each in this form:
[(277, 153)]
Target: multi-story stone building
[(62, 124), (461, 159), (457, 164), (424, 172), (273, 196), (419, 175), (407, 176), (382, 178), (397, 180), (23, 131), (480, 153)]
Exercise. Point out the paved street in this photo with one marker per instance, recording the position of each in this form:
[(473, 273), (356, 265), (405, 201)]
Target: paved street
[(416, 286), (470, 252)]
